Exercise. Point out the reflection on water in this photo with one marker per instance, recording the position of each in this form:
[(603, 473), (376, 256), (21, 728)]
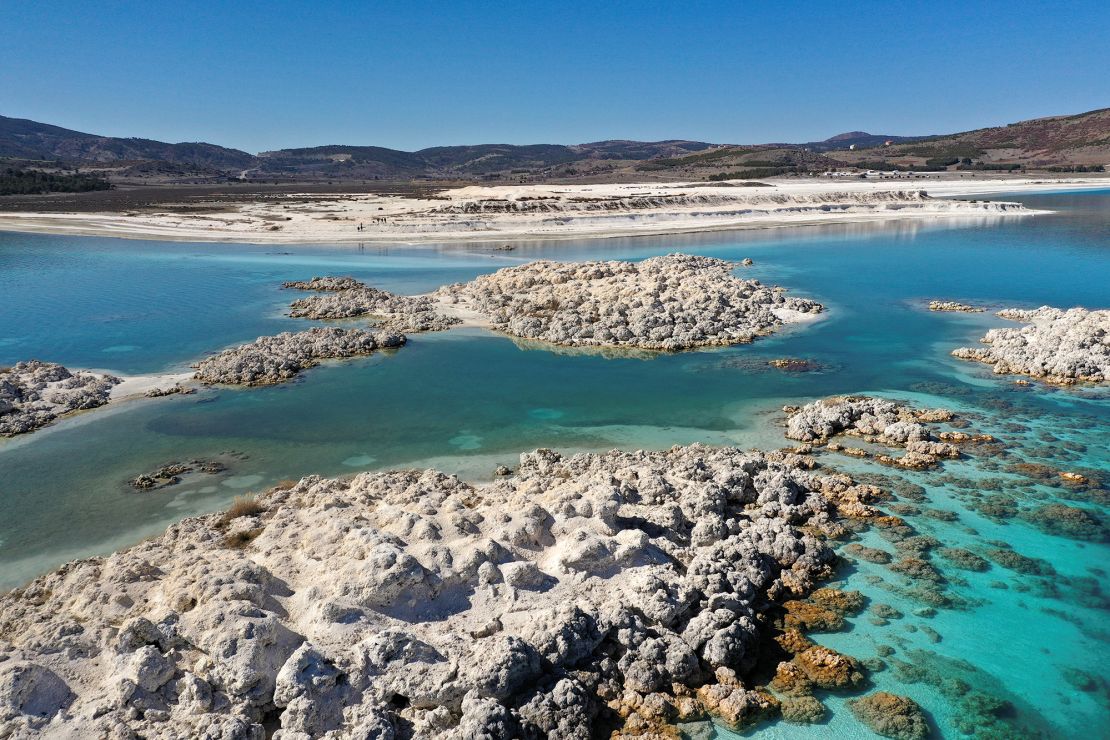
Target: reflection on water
[(467, 400)]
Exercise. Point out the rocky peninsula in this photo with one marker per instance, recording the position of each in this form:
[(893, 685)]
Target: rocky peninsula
[(269, 360), (34, 393), (580, 595), (1057, 346), (673, 302)]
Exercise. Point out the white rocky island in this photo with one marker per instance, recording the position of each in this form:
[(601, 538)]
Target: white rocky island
[(580, 595), (345, 298), (34, 393), (1057, 346), (673, 302), (880, 421), (269, 360)]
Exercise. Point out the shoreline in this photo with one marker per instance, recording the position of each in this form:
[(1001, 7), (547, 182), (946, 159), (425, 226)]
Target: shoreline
[(124, 394), (578, 212)]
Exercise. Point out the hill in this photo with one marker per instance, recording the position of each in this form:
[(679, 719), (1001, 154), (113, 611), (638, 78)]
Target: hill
[(1057, 141), (30, 140), (1062, 143)]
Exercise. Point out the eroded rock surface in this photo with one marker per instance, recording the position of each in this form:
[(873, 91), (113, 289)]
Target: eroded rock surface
[(664, 303), (34, 393), (620, 587), (269, 360), (878, 420), (328, 282), (1057, 346), (954, 306), (891, 715), (346, 298), (345, 304)]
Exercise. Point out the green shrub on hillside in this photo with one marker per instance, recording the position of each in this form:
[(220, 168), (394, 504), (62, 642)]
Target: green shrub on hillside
[(32, 182)]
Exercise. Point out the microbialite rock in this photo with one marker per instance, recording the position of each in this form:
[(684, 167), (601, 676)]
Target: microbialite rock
[(34, 393), (891, 715), (325, 283), (411, 602), (269, 360), (673, 302), (1057, 346)]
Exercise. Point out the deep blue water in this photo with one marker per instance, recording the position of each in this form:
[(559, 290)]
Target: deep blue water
[(467, 400)]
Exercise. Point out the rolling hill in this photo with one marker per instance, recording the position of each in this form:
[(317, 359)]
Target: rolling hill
[(1067, 143), (30, 140)]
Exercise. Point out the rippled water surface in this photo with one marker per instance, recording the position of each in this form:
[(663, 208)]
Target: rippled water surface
[(998, 651)]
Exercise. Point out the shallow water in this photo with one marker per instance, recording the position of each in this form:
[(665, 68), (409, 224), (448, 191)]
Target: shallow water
[(467, 400)]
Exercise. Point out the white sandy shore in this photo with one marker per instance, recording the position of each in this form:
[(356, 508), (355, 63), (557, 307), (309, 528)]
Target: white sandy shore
[(133, 386), (556, 211)]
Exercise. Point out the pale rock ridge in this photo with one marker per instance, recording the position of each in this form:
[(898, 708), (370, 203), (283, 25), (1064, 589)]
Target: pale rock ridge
[(348, 298), (954, 306), (1055, 345), (328, 282), (412, 604), (878, 420), (34, 393), (672, 302), (275, 359)]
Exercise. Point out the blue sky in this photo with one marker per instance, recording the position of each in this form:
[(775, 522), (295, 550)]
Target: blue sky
[(264, 75)]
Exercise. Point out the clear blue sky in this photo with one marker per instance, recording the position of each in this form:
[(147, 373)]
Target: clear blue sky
[(264, 75)]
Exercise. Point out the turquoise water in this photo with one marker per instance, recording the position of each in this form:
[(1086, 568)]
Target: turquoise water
[(467, 400)]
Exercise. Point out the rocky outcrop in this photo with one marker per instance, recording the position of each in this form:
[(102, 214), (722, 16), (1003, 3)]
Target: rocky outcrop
[(348, 298), (891, 715), (411, 322), (345, 304), (34, 393), (344, 282), (877, 420), (269, 360), (582, 590), (673, 302), (954, 306), (1056, 346), (170, 474), (170, 391)]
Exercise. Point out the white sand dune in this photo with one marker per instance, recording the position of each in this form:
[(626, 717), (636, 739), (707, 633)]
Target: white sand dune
[(524, 212)]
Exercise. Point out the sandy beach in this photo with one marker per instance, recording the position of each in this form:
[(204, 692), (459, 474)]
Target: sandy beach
[(527, 212)]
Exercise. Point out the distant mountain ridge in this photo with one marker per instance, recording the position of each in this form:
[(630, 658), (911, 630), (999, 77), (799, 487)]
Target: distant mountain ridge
[(1082, 138), (21, 138)]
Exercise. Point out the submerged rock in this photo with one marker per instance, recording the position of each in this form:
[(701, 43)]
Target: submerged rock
[(170, 474), (964, 559), (794, 365), (34, 393), (870, 554), (891, 715), (412, 602), (1056, 346), (269, 360), (673, 302), (1068, 521)]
